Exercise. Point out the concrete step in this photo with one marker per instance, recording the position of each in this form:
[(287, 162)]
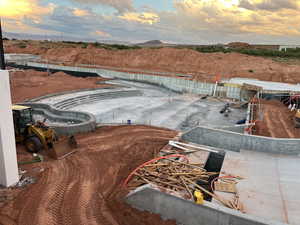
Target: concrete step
[(72, 102)]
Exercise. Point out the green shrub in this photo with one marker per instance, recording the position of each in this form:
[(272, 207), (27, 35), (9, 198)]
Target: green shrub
[(115, 46), (84, 45), (289, 53), (22, 45)]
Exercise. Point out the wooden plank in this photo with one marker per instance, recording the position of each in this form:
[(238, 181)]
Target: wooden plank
[(225, 187)]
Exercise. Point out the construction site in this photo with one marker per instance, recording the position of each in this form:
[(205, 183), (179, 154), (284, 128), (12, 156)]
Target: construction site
[(149, 136)]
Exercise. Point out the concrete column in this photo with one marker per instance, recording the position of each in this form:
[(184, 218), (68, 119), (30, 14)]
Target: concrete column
[(8, 157)]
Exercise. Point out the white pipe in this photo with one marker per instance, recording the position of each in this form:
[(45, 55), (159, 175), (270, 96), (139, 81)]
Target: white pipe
[(215, 89), (180, 147), (177, 145)]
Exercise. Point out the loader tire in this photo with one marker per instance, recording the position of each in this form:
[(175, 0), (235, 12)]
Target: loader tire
[(33, 144)]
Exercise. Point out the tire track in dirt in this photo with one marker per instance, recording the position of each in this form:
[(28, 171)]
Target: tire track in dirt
[(285, 126), (278, 121), (274, 125), (82, 188)]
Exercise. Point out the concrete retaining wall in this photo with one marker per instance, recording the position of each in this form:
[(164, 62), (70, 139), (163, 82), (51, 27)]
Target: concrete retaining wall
[(10, 57), (85, 122), (237, 128), (175, 84), (188, 213), (236, 141), (23, 65)]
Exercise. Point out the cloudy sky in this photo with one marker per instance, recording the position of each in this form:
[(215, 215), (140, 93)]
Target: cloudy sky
[(174, 21)]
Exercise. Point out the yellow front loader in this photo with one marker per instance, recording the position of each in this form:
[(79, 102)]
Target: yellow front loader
[(297, 119), (38, 136)]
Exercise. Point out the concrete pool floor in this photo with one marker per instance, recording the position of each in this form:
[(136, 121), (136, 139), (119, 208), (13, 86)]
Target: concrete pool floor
[(157, 106), (270, 186)]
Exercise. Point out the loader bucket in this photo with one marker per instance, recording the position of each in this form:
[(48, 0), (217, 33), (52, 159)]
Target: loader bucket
[(64, 147)]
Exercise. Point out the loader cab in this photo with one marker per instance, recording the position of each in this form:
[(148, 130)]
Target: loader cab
[(22, 116)]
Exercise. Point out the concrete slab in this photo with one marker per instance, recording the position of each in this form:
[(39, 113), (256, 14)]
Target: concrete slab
[(271, 185), (157, 106)]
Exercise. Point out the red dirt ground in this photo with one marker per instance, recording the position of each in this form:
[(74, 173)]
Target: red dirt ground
[(278, 121), (203, 66), (84, 188), (30, 84)]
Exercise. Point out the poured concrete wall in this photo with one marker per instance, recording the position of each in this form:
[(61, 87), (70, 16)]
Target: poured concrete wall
[(87, 121), (8, 157), (187, 213), (235, 141), (174, 84), (11, 57), (236, 128)]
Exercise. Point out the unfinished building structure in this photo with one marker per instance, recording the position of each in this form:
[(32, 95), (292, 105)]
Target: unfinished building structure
[(192, 108)]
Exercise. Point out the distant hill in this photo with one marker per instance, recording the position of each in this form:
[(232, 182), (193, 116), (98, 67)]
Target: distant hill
[(152, 43)]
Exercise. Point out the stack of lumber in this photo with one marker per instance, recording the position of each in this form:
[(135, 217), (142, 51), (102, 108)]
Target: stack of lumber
[(170, 174), (178, 176)]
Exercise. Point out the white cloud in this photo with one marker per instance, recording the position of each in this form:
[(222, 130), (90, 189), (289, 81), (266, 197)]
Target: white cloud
[(269, 5), (143, 17), (102, 33), (191, 21), (120, 5), (16, 9), (80, 12), (228, 17)]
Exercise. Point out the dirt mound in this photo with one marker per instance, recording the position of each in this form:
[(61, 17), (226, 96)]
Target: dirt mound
[(85, 188), (239, 45), (28, 84), (278, 121), (203, 66), (23, 47)]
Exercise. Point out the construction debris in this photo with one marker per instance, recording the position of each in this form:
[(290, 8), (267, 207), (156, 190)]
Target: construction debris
[(225, 187), (176, 147), (171, 174), (189, 148), (180, 176), (36, 158), (24, 181), (226, 110)]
